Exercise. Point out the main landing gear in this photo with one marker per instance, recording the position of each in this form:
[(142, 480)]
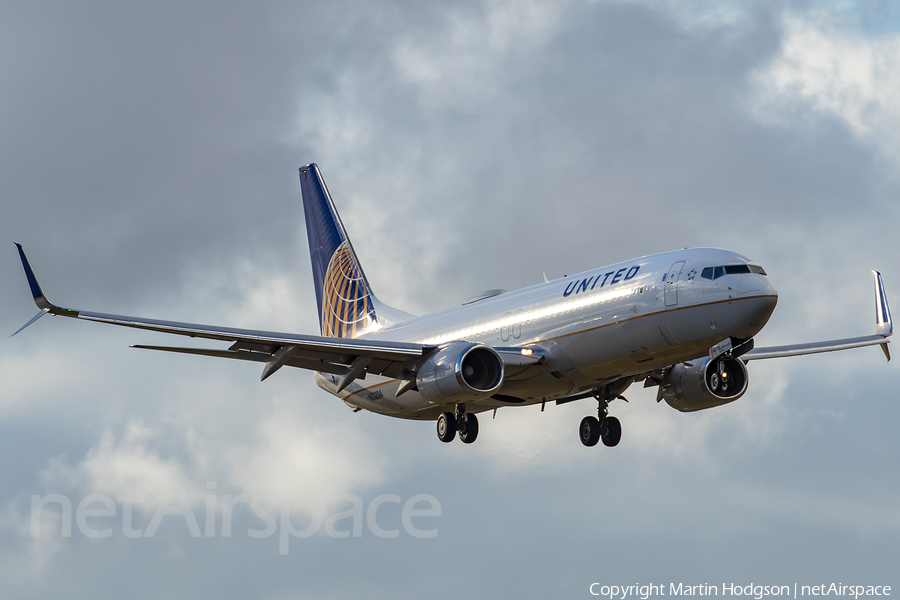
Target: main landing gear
[(603, 427), (465, 423)]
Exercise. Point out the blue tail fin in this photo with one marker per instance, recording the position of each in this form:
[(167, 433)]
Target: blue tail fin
[(346, 304)]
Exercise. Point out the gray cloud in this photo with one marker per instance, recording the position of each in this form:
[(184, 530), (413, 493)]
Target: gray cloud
[(148, 161)]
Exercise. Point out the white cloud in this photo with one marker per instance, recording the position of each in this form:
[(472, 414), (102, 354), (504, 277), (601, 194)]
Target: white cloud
[(24, 378), (28, 560), (836, 70), (303, 460), (698, 15), (460, 65), (295, 456), (132, 465), (250, 294)]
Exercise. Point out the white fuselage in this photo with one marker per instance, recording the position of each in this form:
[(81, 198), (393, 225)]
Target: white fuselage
[(601, 326)]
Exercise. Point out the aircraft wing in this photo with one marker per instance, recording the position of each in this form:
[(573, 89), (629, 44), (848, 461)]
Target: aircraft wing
[(346, 357), (883, 330), (817, 347)]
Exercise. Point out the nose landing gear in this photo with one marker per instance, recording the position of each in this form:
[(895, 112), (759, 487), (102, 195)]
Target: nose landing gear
[(603, 427), (719, 381)]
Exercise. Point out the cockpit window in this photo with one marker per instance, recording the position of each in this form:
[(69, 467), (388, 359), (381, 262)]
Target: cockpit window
[(716, 272), (736, 269)]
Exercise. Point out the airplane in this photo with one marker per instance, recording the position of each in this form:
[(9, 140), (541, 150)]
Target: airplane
[(683, 321)]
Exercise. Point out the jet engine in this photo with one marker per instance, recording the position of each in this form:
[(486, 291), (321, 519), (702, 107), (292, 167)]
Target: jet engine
[(704, 383), (460, 372)]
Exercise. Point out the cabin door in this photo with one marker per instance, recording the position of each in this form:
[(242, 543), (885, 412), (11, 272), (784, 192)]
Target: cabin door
[(672, 284)]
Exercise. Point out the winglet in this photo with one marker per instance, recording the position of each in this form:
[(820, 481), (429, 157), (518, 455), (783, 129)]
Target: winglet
[(883, 323), (36, 292), (33, 319), (42, 303)]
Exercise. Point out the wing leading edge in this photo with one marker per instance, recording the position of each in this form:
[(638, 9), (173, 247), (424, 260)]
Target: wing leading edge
[(883, 329), (347, 357)]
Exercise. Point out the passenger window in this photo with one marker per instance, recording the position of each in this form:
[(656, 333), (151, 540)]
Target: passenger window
[(719, 272), (707, 273)]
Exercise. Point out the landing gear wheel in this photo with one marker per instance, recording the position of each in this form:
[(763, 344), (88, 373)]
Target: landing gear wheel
[(446, 427), (469, 429), (589, 431), (714, 382), (612, 433)]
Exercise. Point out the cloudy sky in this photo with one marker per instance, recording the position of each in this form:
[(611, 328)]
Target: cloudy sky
[(148, 163)]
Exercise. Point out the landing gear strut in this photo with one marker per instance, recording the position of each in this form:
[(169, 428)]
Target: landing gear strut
[(718, 381), (465, 423), (603, 427)]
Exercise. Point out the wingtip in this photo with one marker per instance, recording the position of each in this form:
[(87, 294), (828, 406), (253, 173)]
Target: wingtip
[(37, 293), (33, 319), (883, 322)]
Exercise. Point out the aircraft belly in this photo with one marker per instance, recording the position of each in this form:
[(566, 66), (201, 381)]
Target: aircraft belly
[(642, 344), (582, 359), (378, 395)]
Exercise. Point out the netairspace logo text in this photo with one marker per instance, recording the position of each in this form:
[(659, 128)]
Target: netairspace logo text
[(416, 516), (757, 592)]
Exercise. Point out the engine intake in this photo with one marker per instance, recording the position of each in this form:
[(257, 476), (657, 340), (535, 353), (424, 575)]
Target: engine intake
[(700, 384), (460, 372)]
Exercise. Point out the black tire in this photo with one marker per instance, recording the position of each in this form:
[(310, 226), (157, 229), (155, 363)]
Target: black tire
[(470, 430), (589, 431), (613, 432), (446, 427)]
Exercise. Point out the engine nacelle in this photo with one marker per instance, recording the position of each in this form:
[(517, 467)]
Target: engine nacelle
[(702, 385), (459, 373)]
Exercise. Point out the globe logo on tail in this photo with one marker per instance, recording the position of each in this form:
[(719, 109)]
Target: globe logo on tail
[(346, 304)]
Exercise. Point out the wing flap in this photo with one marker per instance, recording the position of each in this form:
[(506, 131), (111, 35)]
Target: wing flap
[(376, 367), (303, 363)]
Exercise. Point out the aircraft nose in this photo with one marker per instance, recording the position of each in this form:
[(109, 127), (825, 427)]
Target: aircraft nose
[(752, 284), (758, 310), (756, 285)]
